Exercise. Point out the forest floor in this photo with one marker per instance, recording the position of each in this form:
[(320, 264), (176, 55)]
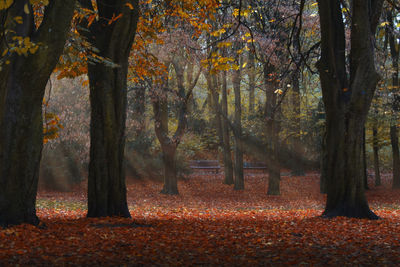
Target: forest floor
[(209, 224)]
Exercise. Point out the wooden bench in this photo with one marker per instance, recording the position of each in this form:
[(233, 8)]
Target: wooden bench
[(254, 166), (205, 164)]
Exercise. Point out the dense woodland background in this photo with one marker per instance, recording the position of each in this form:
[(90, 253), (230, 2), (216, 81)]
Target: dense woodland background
[(102, 100)]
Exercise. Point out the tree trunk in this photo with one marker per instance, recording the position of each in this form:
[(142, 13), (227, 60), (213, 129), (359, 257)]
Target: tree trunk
[(108, 99), (228, 165), (324, 167), (347, 102), (139, 109), (364, 161), (296, 141), (274, 177), (272, 129), (252, 82), (23, 83), (239, 175), (170, 175), (376, 155), (212, 86), (394, 137), (160, 107)]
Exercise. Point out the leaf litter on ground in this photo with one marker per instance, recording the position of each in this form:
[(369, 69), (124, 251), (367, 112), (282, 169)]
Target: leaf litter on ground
[(209, 224)]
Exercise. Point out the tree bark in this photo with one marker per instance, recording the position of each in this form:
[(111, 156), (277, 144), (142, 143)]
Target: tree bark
[(376, 155), (295, 77), (272, 129), (238, 167), (394, 137), (23, 83), (347, 102), (212, 86), (108, 99), (296, 141), (324, 166), (228, 165), (252, 81), (170, 174), (364, 161), (139, 109)]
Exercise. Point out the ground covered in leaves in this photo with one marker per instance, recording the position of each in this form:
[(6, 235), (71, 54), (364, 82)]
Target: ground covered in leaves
[(209, 224)]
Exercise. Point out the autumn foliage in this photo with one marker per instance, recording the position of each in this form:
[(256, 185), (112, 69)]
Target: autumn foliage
[(208, 224)]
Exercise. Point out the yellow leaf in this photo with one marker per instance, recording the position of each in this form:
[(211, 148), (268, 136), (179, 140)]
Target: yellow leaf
[(384, 23), (34, 49), (26, 9), (244, 65), (4, 4), (27, 41), (18, 19)]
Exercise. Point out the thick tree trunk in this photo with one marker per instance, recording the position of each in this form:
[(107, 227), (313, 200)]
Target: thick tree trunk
[(238, 167), (364, 162), (272, 129), (394, 138), (324, 167), (274, 179), (228, 165), (108, 98), (347, 102), (22, 88), (170, 175), (345, 185), (376, 155)]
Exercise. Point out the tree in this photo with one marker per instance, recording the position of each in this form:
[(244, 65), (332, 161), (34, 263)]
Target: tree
[(228, 164), (238, 166), (347, 97), (272, 128), (160, 107), (394, 136), (30, 54), (112, 34), (376, 153)]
